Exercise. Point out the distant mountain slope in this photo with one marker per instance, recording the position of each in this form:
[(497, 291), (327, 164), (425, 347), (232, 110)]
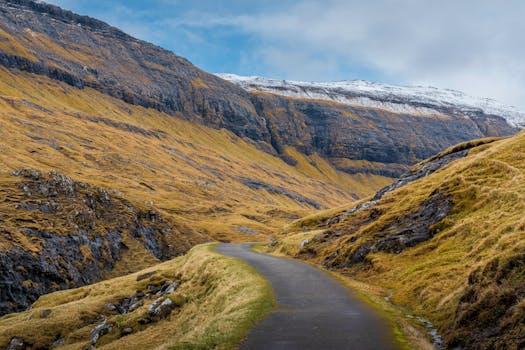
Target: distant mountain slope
[(418, 100), (211, 179), (446, 243), (84, 52)]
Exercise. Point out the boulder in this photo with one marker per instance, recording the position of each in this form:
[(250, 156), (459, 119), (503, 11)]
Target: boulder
[(16, 344), (161, 308), (99, 331), (303, 243), (45, 313), (126, 331)]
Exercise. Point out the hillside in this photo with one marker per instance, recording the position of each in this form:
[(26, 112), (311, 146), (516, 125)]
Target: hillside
[(199, 301), (419, 100), (117, 155), (375, 128), (142, 182), (86, 53), (447, 246), (211, 179), (204, 184), (59, 234)]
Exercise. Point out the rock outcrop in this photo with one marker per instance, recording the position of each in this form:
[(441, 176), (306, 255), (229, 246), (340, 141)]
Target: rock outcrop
[(364, 140), (61, 234)]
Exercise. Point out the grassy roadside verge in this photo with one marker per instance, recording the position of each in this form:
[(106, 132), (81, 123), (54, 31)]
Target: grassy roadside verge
[(408, 332), (218, 301)]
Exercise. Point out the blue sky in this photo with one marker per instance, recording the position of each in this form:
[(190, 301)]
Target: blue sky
[(476, 46)]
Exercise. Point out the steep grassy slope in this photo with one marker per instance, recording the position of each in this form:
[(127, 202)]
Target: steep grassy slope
[(448, 246), (209, 179), (86, 53), (215, 302)]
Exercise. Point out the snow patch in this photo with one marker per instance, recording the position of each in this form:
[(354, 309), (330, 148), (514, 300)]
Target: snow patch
[(418, 100)]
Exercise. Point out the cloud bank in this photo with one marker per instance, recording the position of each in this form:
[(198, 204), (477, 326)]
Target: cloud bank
[(476, 46)]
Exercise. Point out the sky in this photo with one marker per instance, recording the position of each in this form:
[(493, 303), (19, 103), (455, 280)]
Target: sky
[(476, 46)]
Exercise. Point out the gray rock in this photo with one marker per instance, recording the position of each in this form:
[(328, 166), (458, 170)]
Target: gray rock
[(145, 275), (161, 308), (303, 243), (143, 321), (413, 229), (153, 306), (45, 313), (59, 342), (110, 307), (126, 331), (168, 288), (99, 331), (245, 230), (171, 288), (152, 288), (135, 306), (16, 344)]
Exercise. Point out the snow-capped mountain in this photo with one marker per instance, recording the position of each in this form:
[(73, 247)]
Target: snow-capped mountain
[(400, 99)]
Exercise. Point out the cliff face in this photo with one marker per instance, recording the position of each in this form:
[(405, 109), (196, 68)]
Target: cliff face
[(85, 52), (367, 140), (59, 234)]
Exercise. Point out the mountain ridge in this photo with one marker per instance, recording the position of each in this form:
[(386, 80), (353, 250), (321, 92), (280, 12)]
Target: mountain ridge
[(396, 98), (99, 56)]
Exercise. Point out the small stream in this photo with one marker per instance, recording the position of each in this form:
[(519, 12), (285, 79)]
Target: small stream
[(437, 340)]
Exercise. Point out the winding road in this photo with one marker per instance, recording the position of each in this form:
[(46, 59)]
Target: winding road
[(314, 310)]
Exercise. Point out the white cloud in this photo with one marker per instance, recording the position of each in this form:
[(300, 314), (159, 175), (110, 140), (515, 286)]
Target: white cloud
[(474, 46)]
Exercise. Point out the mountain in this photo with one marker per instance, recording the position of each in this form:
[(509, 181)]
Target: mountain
[(171, 181), (374, 128), (117, 155), (417, 100), (444, 242), (86, 53)]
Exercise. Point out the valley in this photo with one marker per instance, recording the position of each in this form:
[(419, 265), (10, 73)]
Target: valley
[(123, 167)]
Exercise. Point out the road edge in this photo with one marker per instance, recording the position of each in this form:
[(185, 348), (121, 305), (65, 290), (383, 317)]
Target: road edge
[(407, 333)]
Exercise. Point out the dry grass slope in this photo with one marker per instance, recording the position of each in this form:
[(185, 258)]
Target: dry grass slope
[(468, 278), (218, 300), (196, 174)]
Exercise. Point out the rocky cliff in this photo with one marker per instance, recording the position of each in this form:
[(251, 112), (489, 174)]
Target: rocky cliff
[(58, 234), (85, 52), (417, 100), (358, 139)]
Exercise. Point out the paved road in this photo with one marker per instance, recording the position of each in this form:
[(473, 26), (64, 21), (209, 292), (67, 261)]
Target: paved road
[(314, 310)]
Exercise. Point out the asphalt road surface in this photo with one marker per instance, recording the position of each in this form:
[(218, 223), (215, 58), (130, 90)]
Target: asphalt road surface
[(314, 310)]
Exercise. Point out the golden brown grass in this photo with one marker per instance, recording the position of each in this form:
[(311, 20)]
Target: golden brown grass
[(187, 170), (218, 301), (287, 246), (488, 191)]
